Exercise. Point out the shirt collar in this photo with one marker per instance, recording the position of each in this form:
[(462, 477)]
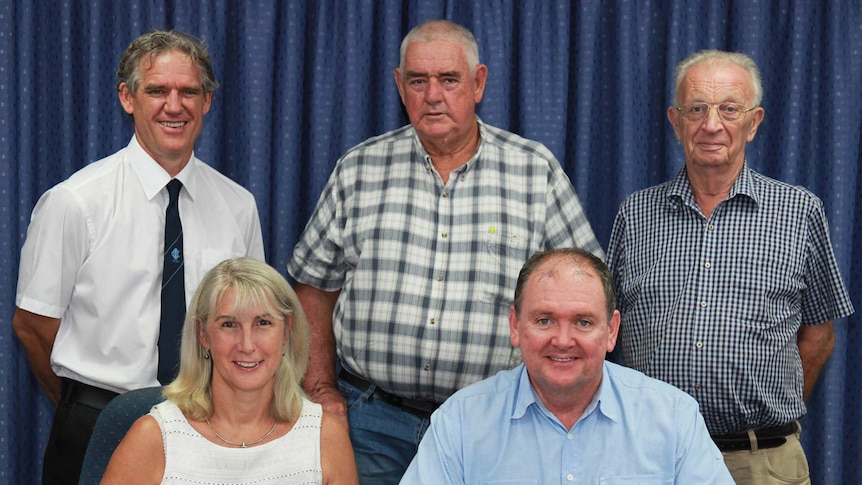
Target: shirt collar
[(680, 187), (603, 401), (524, 396), (153, 177), (605, 397), (426, 159)]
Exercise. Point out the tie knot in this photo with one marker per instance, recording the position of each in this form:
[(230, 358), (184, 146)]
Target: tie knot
[(174, 187)]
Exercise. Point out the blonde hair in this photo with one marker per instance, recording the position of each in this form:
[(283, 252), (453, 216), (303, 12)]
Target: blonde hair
[(253, 283)]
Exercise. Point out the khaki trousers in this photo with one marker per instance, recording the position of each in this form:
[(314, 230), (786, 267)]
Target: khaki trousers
[(785, 464)]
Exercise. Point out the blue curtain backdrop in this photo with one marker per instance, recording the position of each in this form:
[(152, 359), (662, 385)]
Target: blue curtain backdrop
[(302, 81)]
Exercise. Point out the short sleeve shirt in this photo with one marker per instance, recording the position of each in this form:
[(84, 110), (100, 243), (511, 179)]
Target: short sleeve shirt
[(712, 305), (427, 270), (93, 258)]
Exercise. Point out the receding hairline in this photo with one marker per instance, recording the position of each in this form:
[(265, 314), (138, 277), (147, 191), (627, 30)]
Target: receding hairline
[(714, 57), (550, 268)]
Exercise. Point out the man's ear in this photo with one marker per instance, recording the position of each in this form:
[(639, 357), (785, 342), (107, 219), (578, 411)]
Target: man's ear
[(399, 83), (480, 79), (613, 330), (757, 117), (514, 337), (674, 118), (125, 98)]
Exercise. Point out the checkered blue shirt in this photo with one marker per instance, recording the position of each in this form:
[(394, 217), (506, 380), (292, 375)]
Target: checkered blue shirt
[(712, 306), (427, 271)]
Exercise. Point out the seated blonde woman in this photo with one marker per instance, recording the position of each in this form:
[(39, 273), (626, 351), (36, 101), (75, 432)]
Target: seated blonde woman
[(236, 412)]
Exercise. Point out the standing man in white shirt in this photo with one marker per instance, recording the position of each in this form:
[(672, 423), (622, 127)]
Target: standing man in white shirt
[(89, 301)]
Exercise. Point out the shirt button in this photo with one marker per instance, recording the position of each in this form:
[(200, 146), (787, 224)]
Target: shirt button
[(445, 194), (440, 278), (569, 436), (697, 387), (570, 477), (698, 345), (707, 265), (427, 367), (704, 304), (433, 321), (710, 226), (444, 235)]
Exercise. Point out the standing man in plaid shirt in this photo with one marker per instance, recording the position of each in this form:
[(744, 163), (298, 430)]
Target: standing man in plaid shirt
[(407, 264), (726, 279)]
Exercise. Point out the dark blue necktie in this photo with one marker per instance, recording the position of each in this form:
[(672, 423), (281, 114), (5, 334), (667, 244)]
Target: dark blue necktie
[(173, 289)]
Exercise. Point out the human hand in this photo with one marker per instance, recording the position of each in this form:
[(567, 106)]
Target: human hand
[(331, 400)]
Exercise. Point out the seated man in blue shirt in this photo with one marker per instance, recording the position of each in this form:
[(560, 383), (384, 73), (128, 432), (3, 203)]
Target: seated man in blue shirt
[(565, 414)]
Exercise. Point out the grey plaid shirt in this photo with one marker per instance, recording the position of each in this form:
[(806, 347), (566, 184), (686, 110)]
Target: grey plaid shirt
[(428, 271), (713, 306)]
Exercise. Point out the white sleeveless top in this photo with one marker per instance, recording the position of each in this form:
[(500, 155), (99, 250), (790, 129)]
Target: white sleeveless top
[(192, 459)]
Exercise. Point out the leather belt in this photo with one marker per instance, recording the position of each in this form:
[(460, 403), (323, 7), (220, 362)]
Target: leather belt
[(766, 438), (85, 394), (418, 407)]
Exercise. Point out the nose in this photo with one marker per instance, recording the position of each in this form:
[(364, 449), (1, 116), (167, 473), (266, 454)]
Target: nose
[(564, 337), (434, 91), (173, 103), (246, 341), (713, 121)]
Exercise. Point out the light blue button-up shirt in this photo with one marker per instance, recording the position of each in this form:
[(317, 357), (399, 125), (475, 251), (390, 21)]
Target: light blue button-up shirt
[(636, 430)]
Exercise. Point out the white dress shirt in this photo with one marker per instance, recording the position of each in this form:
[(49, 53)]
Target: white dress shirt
[(93, 257)]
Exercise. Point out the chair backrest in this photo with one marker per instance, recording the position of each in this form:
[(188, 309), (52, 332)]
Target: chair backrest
[(112, 425)]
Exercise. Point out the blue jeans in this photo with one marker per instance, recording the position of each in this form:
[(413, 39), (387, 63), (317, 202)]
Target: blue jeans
[(384, 437)]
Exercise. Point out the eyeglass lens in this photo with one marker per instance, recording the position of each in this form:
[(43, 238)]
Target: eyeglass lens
[(699, 111)]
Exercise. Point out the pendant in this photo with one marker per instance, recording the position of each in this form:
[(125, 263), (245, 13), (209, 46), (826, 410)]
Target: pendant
[(243, 445)]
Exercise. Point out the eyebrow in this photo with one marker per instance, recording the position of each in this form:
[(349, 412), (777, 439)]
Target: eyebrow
[(262, 316), (149, 87), (415, 74)]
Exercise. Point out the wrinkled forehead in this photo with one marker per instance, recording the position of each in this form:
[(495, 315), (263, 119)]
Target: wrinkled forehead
[(440, 55), (716, 81)]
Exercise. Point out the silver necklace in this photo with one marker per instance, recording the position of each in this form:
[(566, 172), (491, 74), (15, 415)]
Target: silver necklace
[(242, 444)]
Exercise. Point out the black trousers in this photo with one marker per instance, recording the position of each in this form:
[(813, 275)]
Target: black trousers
[(80, 406)]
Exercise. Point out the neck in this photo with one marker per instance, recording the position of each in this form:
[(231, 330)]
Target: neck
[(570, 407), (447, 155), (710, 187), (172, 165), (240, 408)]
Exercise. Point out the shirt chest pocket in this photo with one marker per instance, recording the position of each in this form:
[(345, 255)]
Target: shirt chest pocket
[(503, 252), (197, 267)]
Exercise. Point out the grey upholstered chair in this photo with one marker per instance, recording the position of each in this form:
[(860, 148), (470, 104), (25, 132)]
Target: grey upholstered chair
[(115, 420)]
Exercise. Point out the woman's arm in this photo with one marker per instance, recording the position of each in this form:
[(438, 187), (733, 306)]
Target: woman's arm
[(336, 453), (140, 457)]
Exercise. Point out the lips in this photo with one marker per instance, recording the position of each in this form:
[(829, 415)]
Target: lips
[(247, 365), (710, 144), (173, 124), (562, 359)]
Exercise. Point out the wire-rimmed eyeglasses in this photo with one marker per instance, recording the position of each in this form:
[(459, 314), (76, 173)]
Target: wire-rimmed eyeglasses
[(729, 112)]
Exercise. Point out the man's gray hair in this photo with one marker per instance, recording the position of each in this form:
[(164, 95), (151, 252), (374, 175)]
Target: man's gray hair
[(713, 56), (443, 30), (158, 42)]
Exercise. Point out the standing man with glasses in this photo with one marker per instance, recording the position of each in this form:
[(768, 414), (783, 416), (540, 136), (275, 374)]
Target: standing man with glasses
[(727, 281), (114, 252)]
